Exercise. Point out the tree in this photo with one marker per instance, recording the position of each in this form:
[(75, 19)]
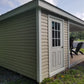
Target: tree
[(77, 35)]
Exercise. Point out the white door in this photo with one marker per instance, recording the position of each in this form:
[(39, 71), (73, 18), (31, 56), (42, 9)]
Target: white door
[(56, 56)]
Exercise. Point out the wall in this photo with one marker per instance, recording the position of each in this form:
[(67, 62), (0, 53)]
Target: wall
[(18, 43)]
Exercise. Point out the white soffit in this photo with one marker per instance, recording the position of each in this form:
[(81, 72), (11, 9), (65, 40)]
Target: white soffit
[(54, 9), (75, 27)]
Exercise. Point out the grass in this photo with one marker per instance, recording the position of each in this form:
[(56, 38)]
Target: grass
[(72, 76), (79, 40), (82, 50)]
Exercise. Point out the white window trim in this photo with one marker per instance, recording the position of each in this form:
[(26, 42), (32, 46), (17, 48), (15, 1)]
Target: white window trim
[(61, 69)]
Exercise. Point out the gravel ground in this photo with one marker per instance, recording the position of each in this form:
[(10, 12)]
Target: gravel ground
[(8, 76), (81, 64)]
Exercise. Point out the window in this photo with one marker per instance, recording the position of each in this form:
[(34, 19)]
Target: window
[(55, 34)]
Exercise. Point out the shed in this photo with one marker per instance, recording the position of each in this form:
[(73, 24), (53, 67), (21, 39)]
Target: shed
[(34, 39)]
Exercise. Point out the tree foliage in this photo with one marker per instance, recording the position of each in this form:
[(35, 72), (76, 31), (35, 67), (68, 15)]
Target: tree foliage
[(77, 35)]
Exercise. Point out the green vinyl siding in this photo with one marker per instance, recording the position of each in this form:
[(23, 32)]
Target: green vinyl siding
[(18, 43)]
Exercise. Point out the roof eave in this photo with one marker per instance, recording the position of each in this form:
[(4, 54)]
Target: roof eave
[(54, 9), (19, 10), (45, 5)]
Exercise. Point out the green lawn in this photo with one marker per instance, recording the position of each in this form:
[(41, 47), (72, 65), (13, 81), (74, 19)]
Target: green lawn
[(82, 50), (79, 40), (72, 76)]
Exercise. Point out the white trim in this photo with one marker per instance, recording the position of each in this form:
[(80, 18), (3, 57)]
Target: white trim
[(68, 44), (53, 17), (75, 25), (72, 23), (63, 41), (58, 11), (49, 35), (38, 31), (49, 40), (57, 71)]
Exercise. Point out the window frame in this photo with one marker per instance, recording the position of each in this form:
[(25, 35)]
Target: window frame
[(56, 39)]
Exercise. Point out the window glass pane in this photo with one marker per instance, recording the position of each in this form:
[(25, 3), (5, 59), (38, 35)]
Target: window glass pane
[(58, 26), (58, 34), (53, 42), (53, 24), (53, 34), (58, 42)]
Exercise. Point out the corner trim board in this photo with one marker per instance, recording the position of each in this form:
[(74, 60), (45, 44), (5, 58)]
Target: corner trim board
[(38, 30), (68, 44)]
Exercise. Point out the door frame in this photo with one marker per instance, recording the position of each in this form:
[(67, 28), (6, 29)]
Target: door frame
[(49, 35)]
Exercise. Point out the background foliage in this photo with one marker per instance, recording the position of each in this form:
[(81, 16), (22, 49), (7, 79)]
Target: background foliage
[(77, 35)]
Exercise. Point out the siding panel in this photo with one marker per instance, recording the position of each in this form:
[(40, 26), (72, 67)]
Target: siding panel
[(45, 47), (66, 43), (18, 43)]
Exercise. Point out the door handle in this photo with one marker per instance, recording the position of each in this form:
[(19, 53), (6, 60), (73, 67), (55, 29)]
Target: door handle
[(62, 47)]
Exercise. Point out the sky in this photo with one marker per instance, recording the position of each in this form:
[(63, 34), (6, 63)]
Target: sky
[(75, 7)]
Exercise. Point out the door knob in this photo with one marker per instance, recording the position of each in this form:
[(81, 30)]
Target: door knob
[(62, 47)]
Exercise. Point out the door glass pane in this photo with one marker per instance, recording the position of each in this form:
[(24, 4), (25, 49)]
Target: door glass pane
[(53, 34), (58, 34), (58, 42), (53, 24), (58, 26)]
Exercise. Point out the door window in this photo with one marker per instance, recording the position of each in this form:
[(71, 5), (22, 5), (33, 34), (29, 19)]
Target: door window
[(56, 39)]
